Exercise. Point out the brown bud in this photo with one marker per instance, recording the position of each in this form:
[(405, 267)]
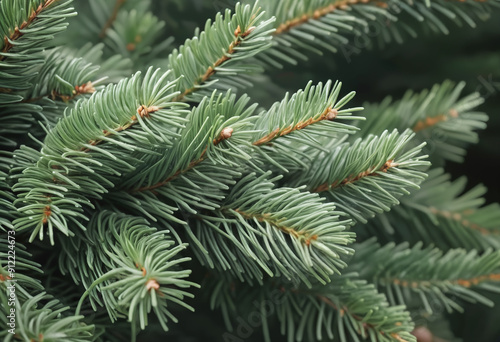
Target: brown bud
[(332, 114), (152, 284), (226, 133)]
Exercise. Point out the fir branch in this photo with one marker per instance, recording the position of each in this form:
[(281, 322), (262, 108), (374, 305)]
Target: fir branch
[(226, 133), (200, 166), (73, 166), (440, 116), (239, 36), (330, 25), (354, 178), (437, 276), (9, 41), (30, 27), (41, 318), (463, 219), (303, 236), (299, 238), (321, 12), (128, 280), (345, 308), (220, 49), (443, 215), (312, 105), (353, 175), (217, 127)]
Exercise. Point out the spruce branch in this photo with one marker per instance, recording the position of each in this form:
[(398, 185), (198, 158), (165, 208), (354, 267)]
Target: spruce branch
[(30, 27), (346, 308), (77, 164), (26, 28), (32, 12), (321, 12), (299, 238), (331, 25), (315, 104), (353, 175), (440, 116), (42, 318), (194, 169), (220, 49), (138, 268), (438, 276), (443, 215)]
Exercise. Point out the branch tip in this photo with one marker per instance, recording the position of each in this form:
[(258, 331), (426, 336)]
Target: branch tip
[(152, 284)]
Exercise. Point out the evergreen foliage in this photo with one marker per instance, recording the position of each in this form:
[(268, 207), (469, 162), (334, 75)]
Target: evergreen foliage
[(133, 172)]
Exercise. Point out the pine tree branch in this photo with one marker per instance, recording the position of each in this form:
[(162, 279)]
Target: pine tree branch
[(314, 106), (352, 179), (431, 121), (35, 13), (441, 214), (366, 326), (226, 133), (321, 12), (143, 112), (353, 175), (58, 187), (345, 308), (439, 116), (221, 49), (112, 18), (329, 114), (86, 88), (465, 282), (438, 275), (211, 70), (461, 218), (302, 236)]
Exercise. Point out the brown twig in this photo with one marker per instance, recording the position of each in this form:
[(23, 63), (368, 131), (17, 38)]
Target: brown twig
[(321, 12), (366, 326), (431, 121), (462, 219), (351, 179), (329, 114), (211, 69), (17, 31), (462, 282), (226, 133), (142, 111), (112, 18), (86, 88), (300, 235)]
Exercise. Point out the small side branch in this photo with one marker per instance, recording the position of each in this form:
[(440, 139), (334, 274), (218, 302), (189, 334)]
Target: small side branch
[(462, 282), (329, 114), (86, 88), (142, 111), (8, 45), (434, 120), (112, 18), (226, 133), (462, 219), (351, 179), (321, 12), (366, 326), (303, 236), (211, 69)]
